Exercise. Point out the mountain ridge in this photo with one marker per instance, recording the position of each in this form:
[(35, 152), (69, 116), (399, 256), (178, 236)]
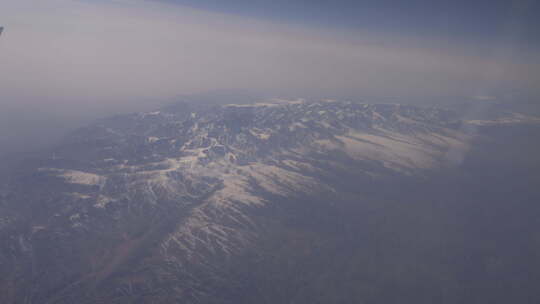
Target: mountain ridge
[(162, 200)]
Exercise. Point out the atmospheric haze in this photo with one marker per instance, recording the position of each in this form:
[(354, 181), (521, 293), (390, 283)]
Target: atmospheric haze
[(66, 60)]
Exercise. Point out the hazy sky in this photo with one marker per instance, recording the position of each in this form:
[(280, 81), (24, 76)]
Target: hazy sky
[(75, 57), (461, 19), (112, 51)]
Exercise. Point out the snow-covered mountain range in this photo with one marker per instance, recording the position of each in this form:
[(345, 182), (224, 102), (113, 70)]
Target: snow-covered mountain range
[(154, 207)]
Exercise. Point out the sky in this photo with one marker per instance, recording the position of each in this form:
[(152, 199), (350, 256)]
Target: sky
[(462, 19), (82, 58), (117, 51)]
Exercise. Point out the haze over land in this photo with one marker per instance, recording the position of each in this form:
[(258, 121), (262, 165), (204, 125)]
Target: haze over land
[(71, 61)]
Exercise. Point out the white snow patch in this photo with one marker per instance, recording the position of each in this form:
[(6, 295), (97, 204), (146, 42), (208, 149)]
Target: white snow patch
[(77, 177), (513, 118), (377, 116), (397, 151), (280, 181), (152, 139), (80, 195), (82, 178), (405, 119), (260, 134), (391, 150), (102, 201), (296, 125), (272, 102), (235, 189), (299, 165)]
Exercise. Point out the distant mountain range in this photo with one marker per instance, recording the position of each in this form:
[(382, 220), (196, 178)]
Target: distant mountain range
[(284, 201)]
